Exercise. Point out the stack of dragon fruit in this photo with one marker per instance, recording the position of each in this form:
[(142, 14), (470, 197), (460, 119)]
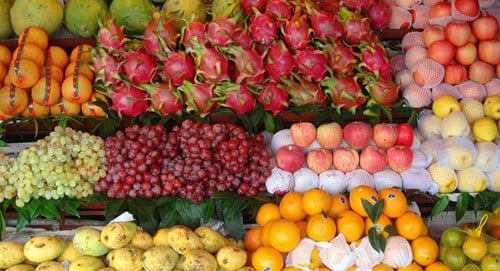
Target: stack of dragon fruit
[(280, 54)]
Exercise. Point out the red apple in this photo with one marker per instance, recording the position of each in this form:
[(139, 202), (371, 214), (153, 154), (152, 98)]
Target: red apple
[(489, 51), (440, 9), (385, 135), (481, 72), (442, 51), (303, 133), (357, 134), (329, 135), (466, 54), (457, 32), (432, 33), (455, 74), (290, 157), (485, 27), (372, 159), (399, 158), (405, 134), (467, 7), (319, 160), (345, 159)]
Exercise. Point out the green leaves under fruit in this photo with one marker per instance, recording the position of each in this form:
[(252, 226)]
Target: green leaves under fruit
[(377, 240)]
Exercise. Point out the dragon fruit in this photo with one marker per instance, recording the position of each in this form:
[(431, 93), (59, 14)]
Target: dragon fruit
[(357, 5), (249, 7), (311, 63), (380, 15), (129, 101), (111, 36), (273, 98), (280, 9), (198, 97), (237, 97), (303, 92), (177, 67), (249, 65), (263, 28), (384, 91), (220, 31), (165, 99), (139, 67), (374, 59), (296, 32), (211, 65), (242, 38), (279, 61), (340, 58), (356, 26), (107, 68), (344, 92), (194, 35), (159, 35), (324, 24)]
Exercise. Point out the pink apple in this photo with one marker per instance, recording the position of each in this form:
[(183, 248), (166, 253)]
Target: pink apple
[(372, 159), (290, 157), (329, 135), (457, 32), (385, 135), (357, 134), (319, 160), (303, 133), (399, 158), (405, 134), (345, 159)]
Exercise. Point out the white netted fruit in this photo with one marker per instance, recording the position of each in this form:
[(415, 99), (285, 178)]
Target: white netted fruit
[(429, 125), (488, 156), (305, 179), (493, 87), (387, 178), (472, 108), (400, 18), (366, 256), (494, 180), (412, 38), (428, 73), (430, 2), (337, 254), (397, 252), (471, 180), (414, 55), (408, 4), (359, 177), (455, 124), (445, 89), (422, 15), (397, 63), (280, 181), (442, 20), (333, 181), (486, 3), (403, 78), (416, 96), (470, 89), (416, 178)]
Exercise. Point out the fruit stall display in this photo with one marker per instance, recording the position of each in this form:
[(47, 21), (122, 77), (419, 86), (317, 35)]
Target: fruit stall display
[(299, 125)]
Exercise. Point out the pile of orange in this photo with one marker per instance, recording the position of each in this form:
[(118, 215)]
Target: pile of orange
[(319, 216), (38, 79)]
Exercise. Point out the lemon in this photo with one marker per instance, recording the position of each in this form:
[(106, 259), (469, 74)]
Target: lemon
[(454, 258), (452, 237), (444, 105), (475, 248), (470, 267), (472, 108), (484, 129), (494, 247), (490, 263)]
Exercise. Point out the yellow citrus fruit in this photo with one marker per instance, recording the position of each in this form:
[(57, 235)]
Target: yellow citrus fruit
[(316, 201), (46, 91), (13, 100), (302, 227), (91, 109), (35, 110), (5, 55), (359, 193), (266, 259), (77, 89), (57, 56), (411, 267), (382, 267), (290, 268), (81, 53), (290, 206), (339, 203), (437, 266), (80, 69), (284, 235), (267, 212), (409, 225), (380, 225), (24, 73), (29, 51), (65, 107), (53, 72), (351, 225), (253, 238), (321, 228), (395, 203), (475, 248), (425, 250), (34, 34), (264, 235)]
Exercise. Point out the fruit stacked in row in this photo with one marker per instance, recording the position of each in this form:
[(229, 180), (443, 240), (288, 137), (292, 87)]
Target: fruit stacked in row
[(459, 136), (123, 246), (337, 158), (320, 231), (42, 79), (193, 160), (457, 58), (66, 163)]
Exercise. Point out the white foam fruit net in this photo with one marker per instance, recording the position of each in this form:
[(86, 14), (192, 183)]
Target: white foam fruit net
[(400, 18), (486, 3), (408, 4), (445, 89), (397, 63), (471, 89), (493, 87), (430, 2), (403, 78), (416, 96), (432, 72), (422, 15), (411, 39), (414, 55)]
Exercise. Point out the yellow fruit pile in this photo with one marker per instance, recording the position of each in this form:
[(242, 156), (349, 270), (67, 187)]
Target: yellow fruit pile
[(297, 232), (38, 79)]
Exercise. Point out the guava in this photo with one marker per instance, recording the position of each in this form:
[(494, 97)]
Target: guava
[(46, 14), (133, 15), (5, 26), (84, 24)]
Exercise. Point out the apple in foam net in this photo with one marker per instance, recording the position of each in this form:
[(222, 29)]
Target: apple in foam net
[(319, 160), (329, 135), (290, 157), (399, 158), (345, 159), (357, 134), (385, 135), (405, 134), (372, 159), (303, 133)]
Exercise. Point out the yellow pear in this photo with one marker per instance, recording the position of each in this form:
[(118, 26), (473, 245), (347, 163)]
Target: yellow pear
[(444, 176), (484, 129), (492, 107), (471, 180), (445, 105)]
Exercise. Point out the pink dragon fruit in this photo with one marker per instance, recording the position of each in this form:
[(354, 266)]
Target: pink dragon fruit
[(198, 97), (263, 28), (379, 14), (279, 61), (194, 35), (344, 92), (177, 67), (303, 92), (249, 7), (280, 9), (111, 36), (311, 63), (139, 67), (211, 65), (220, 31), (165, 99), (242, 38), (237, 97), (160, 35), (324, 24), (273, 98), (374, 59), (248, 63), (296, 32), (340, 58), (357, 5), (384, 92), (129, 101), (356, 26), (107, 68)]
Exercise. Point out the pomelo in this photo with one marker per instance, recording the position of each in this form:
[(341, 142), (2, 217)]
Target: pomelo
[(5, 26), (46, 14), (133, 15), (84, 24)]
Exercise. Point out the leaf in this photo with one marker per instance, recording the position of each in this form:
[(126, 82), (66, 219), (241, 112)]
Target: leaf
[(168, 214), (49, 210), (144, 212), (440, 205), (3, 225), (373, 211), (69, 206), (269, 122), (188, 213), (375, 239), (462, 205), (113, 208), (391, 230), (233, 224)]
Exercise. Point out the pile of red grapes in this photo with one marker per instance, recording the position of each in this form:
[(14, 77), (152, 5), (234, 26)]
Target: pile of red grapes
[(193, 160)]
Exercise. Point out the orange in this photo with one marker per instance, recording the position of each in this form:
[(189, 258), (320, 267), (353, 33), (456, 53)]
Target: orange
[(267, 259), (13, 100), (268, 211), (302, 227), (46, 91), (495, 232), (53, 71), (4, 70), (30, 51), (57, 56), (253, 238), (290, 268), (5, 55), (359, 193), (82, 53), (380, 225), (24, 73), (264, 235), (284, 235), (352, 268), (77, 89), (321, 228), (411, 267), (437, 266), (35, 110), (291, 208), (382, 267), (82, 69), (315, 201), (322, 268), (340, 203), (91, 109), (34, 34), (425, 250), (409, 225), (351, 224), (65, 107), (395, 203)]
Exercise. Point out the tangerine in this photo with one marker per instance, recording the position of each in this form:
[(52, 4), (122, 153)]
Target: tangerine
[(65, 107), (410, 225), (382, 267), (316, 201), (81, 69), (284, 235), (321, 228), (265, 237), (411, 267), (29, 51), (5, 55), (13, 100), (57, 56), (340, 203), (351, 225), (46, 92), (267, 212), (357, 195), (90, 108), (395, 203), (81, 53), (267, 259), (302, 227), (24, 73), (253, 238), (437, 266), (77, 89), (53, 72), (381, 224), (35, 35), (425, 250), (290, 206)]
